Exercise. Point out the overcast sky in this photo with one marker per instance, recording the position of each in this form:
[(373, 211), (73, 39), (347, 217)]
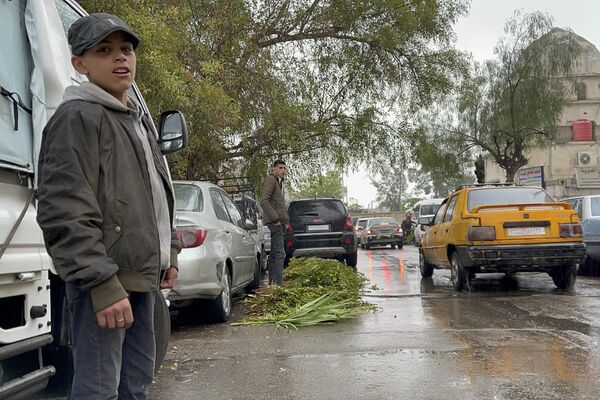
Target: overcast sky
[(479, 32)]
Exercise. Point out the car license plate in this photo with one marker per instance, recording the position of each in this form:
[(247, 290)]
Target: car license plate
[(533, 231), (317, 228)]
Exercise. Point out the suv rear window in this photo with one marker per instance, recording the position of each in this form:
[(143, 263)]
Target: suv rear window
[(314, 208), (507, 195)]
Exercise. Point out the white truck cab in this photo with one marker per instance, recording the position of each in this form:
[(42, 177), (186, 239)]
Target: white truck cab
[(35, 69)]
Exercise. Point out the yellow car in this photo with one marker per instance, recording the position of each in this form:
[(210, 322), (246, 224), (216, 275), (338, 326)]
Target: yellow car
[(500, 228)]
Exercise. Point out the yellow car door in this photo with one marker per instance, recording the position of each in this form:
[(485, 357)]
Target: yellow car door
[(432, 247), (443, 233)]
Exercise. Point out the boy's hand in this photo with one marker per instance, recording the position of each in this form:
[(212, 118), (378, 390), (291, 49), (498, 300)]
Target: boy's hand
[(116, 316), (169, 279)]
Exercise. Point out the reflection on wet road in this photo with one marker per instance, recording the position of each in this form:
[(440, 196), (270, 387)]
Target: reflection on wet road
[(508, 338)]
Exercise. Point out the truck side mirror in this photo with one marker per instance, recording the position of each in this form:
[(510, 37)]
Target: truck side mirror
[(172, 132)]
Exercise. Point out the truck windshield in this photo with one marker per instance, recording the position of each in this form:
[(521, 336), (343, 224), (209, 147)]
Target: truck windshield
[(507, 195)]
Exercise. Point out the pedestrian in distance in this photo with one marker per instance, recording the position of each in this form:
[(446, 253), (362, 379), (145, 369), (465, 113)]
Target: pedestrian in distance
[(276, 218), (106, 209)]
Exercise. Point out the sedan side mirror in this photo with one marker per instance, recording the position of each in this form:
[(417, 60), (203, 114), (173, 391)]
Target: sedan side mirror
[(425, 221), (249, 225), (172, 132)]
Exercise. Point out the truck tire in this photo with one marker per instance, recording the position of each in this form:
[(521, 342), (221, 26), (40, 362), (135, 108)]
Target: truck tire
[(162, 329), (564, 277)]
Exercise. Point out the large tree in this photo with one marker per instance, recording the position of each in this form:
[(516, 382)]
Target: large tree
[(319, 184), (391, 186), (513, 103), (302, 79)]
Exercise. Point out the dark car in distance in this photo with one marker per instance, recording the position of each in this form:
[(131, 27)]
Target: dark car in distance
[(320, 228), (382, 231)]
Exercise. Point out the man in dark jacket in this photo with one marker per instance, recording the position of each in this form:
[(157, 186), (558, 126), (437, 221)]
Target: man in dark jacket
[(276, 218), (106, 209)]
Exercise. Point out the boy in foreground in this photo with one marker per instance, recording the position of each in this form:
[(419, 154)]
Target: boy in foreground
[(106, 210)]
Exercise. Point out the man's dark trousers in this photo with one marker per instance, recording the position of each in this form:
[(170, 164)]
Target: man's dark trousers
[(104, 371), (277, 254)]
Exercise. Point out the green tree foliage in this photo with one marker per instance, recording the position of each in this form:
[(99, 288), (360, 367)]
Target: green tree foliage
[(437, 169), (513, 103), (318, 184), (353, 205), (301, 79), (391, 188)]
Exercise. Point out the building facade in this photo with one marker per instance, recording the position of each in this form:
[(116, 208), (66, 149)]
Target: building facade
[(569, 164)]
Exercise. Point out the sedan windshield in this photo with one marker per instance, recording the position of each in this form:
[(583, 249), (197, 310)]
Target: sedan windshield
[(507, 195), (188, 198)]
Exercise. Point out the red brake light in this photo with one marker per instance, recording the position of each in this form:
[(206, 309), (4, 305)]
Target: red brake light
[(570, 230), (289, 229), (480, 233), (191, 237), (348, 225)]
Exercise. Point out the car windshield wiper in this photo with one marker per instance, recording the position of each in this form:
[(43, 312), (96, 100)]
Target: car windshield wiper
[(311, 214)]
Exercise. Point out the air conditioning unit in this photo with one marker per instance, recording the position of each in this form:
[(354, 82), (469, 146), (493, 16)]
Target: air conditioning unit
[(587, 158)]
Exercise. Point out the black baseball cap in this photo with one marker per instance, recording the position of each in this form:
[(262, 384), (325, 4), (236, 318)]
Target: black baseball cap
[(90, 30)]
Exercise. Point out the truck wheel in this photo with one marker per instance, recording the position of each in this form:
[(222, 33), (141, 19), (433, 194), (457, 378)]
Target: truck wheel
[(564, 278), (400, 245), (458, 273), (255, 284), (162, 329), (424, 266), (220, 308)]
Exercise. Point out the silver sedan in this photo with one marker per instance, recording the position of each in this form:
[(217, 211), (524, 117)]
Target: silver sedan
[(219, 255)]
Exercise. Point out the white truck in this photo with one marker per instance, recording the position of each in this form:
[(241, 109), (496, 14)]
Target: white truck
[(34, 323)]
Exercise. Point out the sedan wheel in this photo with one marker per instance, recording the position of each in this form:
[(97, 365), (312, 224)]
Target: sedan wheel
[(256, 279), (221, 306), (424, 266), (564, 277), (458, 273)]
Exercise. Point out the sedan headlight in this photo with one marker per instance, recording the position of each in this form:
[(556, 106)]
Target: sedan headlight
[(481, 233)]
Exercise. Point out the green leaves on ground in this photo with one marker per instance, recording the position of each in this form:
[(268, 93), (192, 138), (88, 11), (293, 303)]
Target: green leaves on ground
[(315, 291)]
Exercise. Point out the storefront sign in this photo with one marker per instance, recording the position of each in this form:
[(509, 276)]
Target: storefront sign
[(587, 177), (533, 176)]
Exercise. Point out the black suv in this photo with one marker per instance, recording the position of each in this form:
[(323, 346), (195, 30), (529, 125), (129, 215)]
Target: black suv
[(320, 228)]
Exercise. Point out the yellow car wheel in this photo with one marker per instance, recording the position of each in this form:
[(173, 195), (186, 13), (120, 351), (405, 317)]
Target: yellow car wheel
[(458, 273)]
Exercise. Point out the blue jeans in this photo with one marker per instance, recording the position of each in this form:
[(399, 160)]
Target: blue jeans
[(277, 255), (111, 363)]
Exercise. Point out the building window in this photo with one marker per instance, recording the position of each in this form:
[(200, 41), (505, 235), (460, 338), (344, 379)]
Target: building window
[(581, 91)]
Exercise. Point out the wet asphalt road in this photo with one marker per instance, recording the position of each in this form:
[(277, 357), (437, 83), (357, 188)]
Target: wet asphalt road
[(506, 339)]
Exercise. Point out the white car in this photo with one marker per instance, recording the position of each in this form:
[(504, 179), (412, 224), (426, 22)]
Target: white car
[(219, 255), (424, 208), (252, 212)]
